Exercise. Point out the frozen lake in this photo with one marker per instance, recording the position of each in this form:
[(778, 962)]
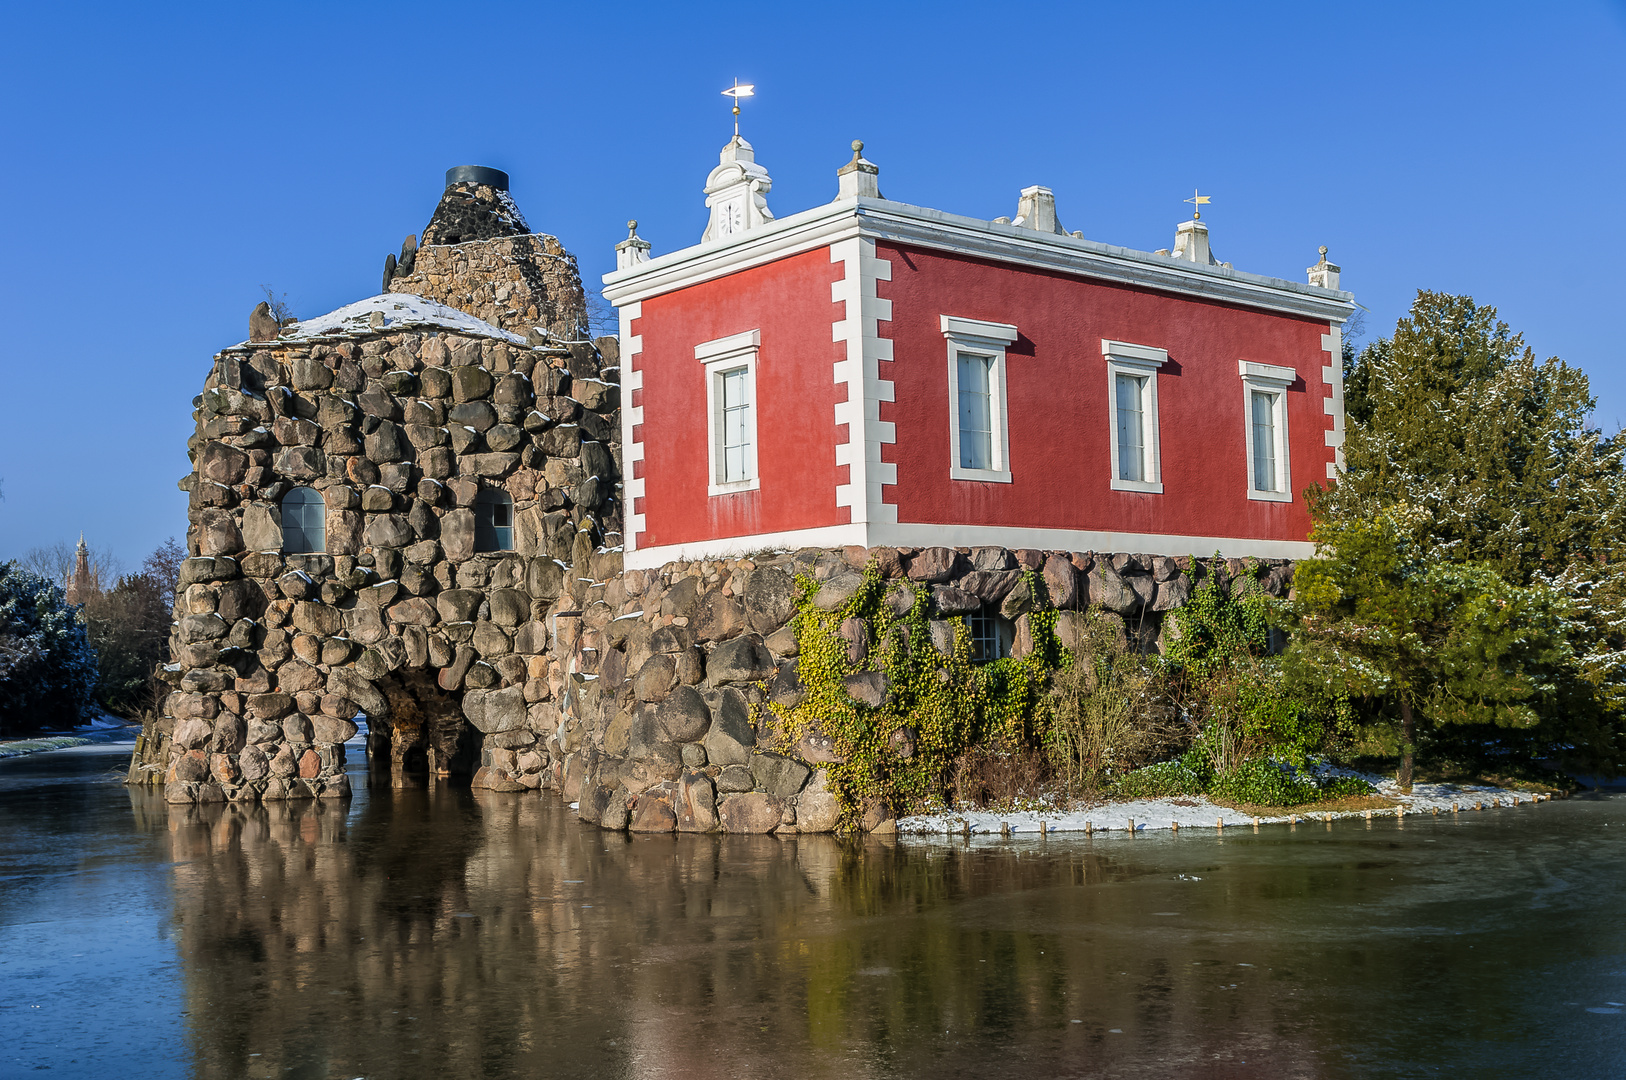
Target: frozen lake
[(449, 933)]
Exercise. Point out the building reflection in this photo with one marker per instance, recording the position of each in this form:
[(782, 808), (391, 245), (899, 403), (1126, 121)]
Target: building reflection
[(426, 932)]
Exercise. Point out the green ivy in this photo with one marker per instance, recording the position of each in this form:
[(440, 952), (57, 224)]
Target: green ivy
[(940, 705)]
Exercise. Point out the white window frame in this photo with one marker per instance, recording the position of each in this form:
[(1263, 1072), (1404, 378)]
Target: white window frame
[(1273, 380), (1140, 362), (724, 355), (977, 337)]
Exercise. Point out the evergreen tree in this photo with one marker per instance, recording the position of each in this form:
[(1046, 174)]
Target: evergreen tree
[(1454, 418), (1378, 613), (47, 667)]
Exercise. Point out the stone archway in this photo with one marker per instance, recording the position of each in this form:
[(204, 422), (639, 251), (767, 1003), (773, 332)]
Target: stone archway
[(423, 734)]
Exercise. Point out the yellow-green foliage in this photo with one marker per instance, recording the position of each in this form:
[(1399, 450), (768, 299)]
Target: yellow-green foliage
[(948, 704)]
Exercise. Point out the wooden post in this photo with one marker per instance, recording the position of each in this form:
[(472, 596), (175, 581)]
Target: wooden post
[(1089, 828), (1043, 829), (1005, 829), (1219, 823), (1369, 815), (1256, 824), (967, 831), (1131, 826), (1293, 820), (1454, 808), (1174, 826)]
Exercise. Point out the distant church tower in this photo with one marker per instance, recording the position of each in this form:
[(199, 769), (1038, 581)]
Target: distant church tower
[(79, 585)]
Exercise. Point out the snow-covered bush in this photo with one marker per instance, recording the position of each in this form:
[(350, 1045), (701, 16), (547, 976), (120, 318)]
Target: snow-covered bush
[(47, 667)]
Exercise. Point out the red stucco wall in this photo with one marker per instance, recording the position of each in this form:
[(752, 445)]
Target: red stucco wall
[(1059, 410), (789, 302)]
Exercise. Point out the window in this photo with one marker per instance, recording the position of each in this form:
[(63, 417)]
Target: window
[(1264, 403), (979, 440), (493, 521), (1137, 449), (731, 412), (304, 528), (991, 636)]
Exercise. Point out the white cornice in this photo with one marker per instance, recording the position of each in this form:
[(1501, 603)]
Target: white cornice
[(879, 219)]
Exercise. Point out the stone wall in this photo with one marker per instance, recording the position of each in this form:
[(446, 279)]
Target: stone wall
[(478, 255), (400, 430), (657, 731)]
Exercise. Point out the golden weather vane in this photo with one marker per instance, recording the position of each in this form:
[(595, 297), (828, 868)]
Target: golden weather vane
[(1197, 203), (736, 92)]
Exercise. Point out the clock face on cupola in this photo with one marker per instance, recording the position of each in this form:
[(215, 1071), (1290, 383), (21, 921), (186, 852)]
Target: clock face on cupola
[(736, 193)]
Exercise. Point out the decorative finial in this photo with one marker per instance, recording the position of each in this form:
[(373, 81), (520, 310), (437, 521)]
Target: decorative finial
[(632, 228), (1197, 202), (736, 92), (858, 149), (1323, 250)]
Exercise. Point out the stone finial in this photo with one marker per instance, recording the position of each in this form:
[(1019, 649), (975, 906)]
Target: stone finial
[(736, 192), (858, 177), (262, 325), (633, 250), (1324, 273), (1036, 210)]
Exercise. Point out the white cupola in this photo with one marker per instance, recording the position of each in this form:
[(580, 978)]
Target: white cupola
[(736, 193)]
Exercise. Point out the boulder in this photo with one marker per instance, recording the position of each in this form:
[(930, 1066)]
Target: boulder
[(779, 776), (1061, 581), (1172, 594), (750, 812), (735, 778), (991, 558), (817, 808), (696, 804), (742, 659), (683, 716), (867, 688), (1108, 589), (933, 564), (732, 735), (786, 689), (770, 599), (952, 601), (652, 813), (655, 679), (493, 711), (718, 618), (840, 588)]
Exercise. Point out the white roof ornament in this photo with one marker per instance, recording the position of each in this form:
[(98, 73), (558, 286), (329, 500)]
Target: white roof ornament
[(736, 193), (1191, 237), (1036, 210), (1324, 273), (633, 250), (858, 177)]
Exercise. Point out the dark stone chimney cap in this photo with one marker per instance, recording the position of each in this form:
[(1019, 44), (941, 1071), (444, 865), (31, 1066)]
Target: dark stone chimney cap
[(477, 174)]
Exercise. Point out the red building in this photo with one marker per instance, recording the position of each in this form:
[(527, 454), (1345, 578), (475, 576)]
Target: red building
[(869, 372)]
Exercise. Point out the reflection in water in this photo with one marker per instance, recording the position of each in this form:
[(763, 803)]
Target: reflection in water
[(418, 933), (463, 933)]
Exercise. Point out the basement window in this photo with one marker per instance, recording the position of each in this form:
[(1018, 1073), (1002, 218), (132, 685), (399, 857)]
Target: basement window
[(494, 521), (991, 636)]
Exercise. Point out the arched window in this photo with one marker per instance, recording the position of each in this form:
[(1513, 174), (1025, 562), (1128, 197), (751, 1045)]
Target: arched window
[(493, 521), (303, 527)]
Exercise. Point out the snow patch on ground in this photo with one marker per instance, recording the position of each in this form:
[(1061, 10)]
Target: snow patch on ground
[(1197, 812)]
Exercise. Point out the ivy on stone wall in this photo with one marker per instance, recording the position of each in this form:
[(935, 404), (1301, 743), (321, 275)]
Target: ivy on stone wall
[(896, 707)]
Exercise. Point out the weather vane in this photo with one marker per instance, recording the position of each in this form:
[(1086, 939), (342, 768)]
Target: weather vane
[(736, 92), (1197, 203)]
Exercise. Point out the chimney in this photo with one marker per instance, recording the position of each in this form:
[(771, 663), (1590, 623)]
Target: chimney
[(1036, 210)]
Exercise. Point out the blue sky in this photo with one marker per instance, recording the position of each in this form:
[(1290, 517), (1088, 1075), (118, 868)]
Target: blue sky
[(164, 161)]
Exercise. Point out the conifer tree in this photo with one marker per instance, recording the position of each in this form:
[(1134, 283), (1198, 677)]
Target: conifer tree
[(1492, 456)]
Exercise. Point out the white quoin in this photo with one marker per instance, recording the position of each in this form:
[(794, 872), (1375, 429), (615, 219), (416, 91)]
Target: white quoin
[(736, 193)]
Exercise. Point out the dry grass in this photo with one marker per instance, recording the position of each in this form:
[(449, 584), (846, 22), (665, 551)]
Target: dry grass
[(1111, 717)]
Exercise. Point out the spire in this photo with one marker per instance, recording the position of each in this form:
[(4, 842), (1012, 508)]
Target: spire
[(858, 177), (78, 589)]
